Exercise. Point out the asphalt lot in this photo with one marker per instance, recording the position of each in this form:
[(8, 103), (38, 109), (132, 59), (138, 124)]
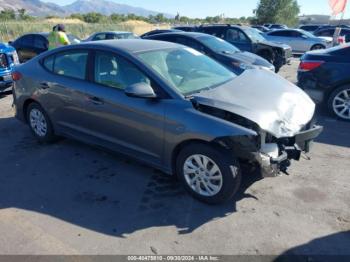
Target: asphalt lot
[(69, 198)]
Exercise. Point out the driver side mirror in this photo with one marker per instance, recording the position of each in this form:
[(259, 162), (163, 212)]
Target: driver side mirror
[(140, 90)]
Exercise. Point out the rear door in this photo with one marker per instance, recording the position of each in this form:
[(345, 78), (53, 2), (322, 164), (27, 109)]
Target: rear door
[(133, 126), (63, 91)]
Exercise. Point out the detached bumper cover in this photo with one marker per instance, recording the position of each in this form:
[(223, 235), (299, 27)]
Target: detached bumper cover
[(271, 166)]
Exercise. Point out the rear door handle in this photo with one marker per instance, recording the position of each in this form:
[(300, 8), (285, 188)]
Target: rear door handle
[(44, 85), (96, 101)]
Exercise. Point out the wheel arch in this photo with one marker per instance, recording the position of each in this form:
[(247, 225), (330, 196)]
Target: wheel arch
[(26, 104), (317, 45), (330, 90), (176, 151)]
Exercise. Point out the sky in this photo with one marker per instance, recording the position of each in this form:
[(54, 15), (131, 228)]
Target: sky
[(203, 8)]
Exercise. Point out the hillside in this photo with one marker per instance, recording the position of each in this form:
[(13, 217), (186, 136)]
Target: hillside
[(33, 7), (106, 7)]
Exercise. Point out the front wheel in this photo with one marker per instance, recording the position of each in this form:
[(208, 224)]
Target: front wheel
[(317, 47), (339, 102), (208, 174)]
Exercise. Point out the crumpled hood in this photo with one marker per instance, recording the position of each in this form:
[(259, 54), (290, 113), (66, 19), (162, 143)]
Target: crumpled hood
[(250, 58), (275, 104)]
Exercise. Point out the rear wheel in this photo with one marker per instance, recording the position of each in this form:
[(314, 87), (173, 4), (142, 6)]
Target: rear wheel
[(317, 47), (339, 102), (208, 174), (40, 123)]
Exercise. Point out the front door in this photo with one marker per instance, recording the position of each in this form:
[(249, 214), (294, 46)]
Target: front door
[(239, 39)]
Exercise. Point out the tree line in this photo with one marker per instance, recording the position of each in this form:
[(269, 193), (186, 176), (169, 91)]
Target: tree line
[(267, 11)]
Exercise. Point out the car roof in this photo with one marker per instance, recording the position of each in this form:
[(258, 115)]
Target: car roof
[(131, 45), (113, 32), (289, 29), (226, 25), (182, 33)]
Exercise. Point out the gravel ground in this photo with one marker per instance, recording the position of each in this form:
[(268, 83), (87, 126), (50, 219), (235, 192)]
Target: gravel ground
[(69, 198)]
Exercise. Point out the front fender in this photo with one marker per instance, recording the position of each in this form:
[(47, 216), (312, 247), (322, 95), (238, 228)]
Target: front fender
[(188, 124)]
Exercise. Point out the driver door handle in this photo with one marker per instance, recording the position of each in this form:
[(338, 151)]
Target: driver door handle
[(95, 100)]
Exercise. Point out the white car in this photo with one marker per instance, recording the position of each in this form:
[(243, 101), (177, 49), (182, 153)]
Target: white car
[(301, 41)]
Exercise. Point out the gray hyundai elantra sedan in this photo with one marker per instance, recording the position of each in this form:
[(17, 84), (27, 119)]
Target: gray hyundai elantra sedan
[(169, 106)]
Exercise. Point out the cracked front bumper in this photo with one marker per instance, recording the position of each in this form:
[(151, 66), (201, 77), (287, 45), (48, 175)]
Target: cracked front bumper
[(271, 164)]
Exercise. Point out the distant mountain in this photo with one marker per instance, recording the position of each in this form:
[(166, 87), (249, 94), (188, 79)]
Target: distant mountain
[(39, 8), (106, 7), (33, 7)]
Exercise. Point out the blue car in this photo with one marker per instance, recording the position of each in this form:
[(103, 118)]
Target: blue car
[(8, 59)]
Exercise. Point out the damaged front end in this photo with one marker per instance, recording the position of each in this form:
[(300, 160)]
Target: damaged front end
[(273, 155)]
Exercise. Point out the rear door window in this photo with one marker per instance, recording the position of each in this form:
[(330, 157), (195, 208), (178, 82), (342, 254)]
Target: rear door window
[(215, 31), (71, 63), (328, 32), (281, 33), (99, 37)]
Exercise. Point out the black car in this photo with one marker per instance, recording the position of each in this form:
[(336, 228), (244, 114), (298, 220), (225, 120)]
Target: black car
[(216, 48), (277, 27), (310, 28), (330, 32), (187, 28), (248, 39), (262, 28), (159, 31), (325, 76), (30, 45)]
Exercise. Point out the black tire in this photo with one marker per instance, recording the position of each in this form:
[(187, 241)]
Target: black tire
[(332, 98), (270, 58), (317, 47), (227, 164), (49, 135)]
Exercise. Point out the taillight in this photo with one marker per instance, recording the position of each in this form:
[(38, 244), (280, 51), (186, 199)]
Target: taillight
[(309, 65), (16, 76), (341, 40)]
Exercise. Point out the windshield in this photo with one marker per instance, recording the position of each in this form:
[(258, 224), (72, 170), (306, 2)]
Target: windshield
[(187, 70), (126, 36), (254, 35), (218, 45)]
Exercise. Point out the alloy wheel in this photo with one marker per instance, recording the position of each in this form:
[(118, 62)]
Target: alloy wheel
[(341, 104), (38, 122), (203, 175)]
